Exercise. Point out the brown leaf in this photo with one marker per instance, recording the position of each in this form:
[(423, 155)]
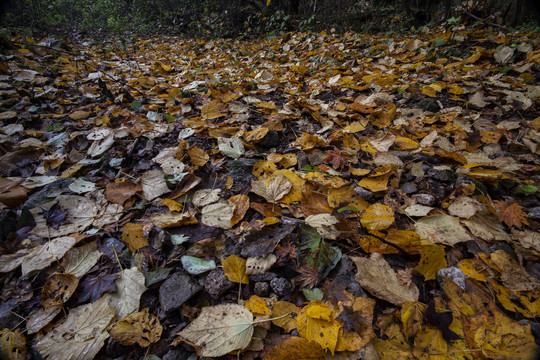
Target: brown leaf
[(119, 192), (296, 348), (511, 214)]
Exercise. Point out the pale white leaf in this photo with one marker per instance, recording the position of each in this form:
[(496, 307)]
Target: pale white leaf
[(231, 147), (80, 336), (442, 229), (219, 330), (217, 215), (78, 261), (129, 288), (153, 184), (42, 256), (205, 197)]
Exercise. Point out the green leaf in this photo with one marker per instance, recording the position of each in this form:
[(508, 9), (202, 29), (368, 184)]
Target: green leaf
[(311, 168), (196, 266), (528, 189), (169, 118), (313, 294), (153, 277), (347, 208), (55, 127), (135, 105), (179, 239)]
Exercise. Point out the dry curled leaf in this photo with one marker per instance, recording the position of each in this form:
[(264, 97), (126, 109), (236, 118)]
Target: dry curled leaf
[(140, 328)]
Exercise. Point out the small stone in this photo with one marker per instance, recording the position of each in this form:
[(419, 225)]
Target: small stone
[(409, 188), (217, 284), (301, 160), (267, 276), (262, 288), (363, 193), (281, 286), (441, 175), (455, 274), (534, 213), (425, 199), (176, 290)]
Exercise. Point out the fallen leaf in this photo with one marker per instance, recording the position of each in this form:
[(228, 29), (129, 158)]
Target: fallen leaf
[(287, 322), (240, 205), (217, 215), (377, 217), (432, 260), (133, 237), (441, 229), (153, 184), (257, 305), (129, 288), (205, 197), (93, 287), (12, 345), (296, 348), (58, 289), (42, 256), (316, 323), (120, 192), (511, 214), (376, 276), (196, 266), (80, 336), (219, 330), (140, 328), (234, 268), (277, 187), (231, 147)]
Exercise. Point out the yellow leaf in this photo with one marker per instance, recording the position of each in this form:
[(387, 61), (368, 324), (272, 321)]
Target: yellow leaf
[(134, 237), (308, 141), (288, 322), (377, 217), (296, 348), (379, 183), (473, 58), (430, 345), (256, 135), (263, 169), (412, 317), (356, 126), (297, 184), (474, 269), (140, 328), (12, 345), (324, 332), (454, 89), (320, 312), (213, 110), (429, 91), (257, 305), (198, 156), (432, 260), (404, 143), (172, 205), (345, 196), (525, 302), (498, 336), (234, 268), (326, 180)]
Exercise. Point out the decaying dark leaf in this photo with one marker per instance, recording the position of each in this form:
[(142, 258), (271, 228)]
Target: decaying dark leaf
[(93, 287), (55, 216)]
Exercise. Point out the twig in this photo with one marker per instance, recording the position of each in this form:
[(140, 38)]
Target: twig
[(484, 21)]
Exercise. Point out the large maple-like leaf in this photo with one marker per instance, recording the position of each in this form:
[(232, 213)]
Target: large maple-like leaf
[(511, 214), (93, 287)]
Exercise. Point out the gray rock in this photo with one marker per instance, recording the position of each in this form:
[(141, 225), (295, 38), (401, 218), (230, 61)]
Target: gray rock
[(281, 286), (425, 199), (441, 175), (455, 274), (217, 284), (267, 276), (534, 213), (409, 188), (301, 160), (363, 193), (262, 288), (176, 290)]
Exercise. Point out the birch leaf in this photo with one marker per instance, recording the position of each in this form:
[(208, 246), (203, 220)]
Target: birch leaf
[(130, 286), (219, 330)]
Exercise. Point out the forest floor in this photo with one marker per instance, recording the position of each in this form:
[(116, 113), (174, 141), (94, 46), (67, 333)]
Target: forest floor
[(308, 196)]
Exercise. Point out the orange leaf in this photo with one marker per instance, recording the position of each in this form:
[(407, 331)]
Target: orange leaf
[(134, 237), (240, 205), (296, 348), (511, 214)]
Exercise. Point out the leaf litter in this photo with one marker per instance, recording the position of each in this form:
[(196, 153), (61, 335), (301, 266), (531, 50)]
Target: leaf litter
[(382, 192)]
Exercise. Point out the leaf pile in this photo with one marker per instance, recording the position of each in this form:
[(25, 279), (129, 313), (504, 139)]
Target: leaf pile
[(316, 194)]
